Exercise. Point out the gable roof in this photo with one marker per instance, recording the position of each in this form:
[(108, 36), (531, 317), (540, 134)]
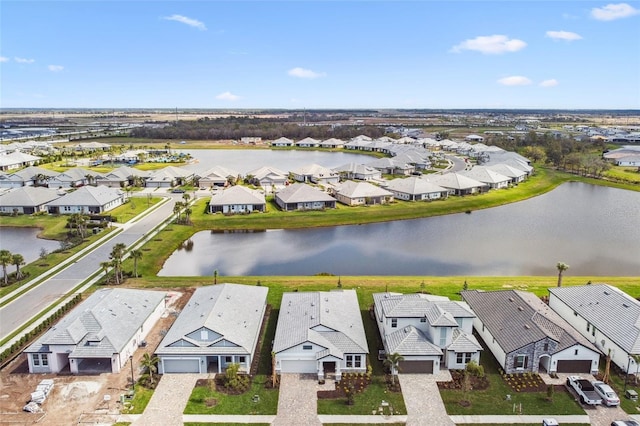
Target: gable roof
[(507, 170), (268, 172), (414, 185), (28, 196), (315, 170), (110, 317), (356, 168), (353, 189), (301, 193), (237, 195), (234, 312), (410, 341), (455, 181), (329, 319), (485, 174), (28, 173), (89, 196), (217, 171), (439, 312), (517, 318), (613, 312)]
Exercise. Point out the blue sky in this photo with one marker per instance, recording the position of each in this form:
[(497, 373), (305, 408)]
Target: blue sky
[(322, 54)]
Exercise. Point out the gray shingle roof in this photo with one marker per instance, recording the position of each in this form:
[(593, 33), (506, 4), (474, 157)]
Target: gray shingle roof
[(89, 196), (329, 319), (463, 342), (517, 318), (414, 305), (237, 195), (414, 185), (231, 314), (613, 312), (28, 196), (411, 341), (353, 189), (109, 318), (302, 193), (455, 181)]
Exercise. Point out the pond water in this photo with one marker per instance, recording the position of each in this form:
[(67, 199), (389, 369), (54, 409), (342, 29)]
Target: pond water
[(246, 160), (25, 241), (596, 230)]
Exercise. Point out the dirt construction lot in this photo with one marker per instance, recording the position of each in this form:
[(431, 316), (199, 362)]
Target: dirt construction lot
[(77, 399)]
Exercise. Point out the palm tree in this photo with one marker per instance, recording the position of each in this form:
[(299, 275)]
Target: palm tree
[(150, 362), (561, 268), (105, 267), (17, 260), (136, 255), (117, 253), (5, 260), (393, 362)]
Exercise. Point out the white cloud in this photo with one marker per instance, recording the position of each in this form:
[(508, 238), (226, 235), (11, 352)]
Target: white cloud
[(515, 80), (491, 45), (563, 35), (187, 21), (227, 96), (4, 59), (55, 68), (549, 83), (24, 60), (611, 12), (304, 73)]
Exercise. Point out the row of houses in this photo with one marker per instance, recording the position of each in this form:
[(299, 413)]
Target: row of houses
[(628, 155), (322, 332)]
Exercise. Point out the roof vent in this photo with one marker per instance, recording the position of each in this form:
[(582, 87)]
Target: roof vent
[(625, 305), (527, 326), (520, 308), (606, 292), (511, 299), (313, 303)]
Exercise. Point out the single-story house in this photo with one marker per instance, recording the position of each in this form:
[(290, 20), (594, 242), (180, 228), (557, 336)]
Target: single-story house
[(237, 199), (526, 335), (457, 184), (392, 166), (491, 178), (361, 193), (320, 333), (27, 200), (415, 189), (332, 143), (300, 196), (316, 174), (88, 200), (215, 176), (308, 142), (269, 178), (168, 177), (122, 177), (100, 334), (430, 332), (282, 142), (606, 316), (220, 325), (32, 175), (358, 172), (474, 138), (514, 174), (16, 160), (72, 178)]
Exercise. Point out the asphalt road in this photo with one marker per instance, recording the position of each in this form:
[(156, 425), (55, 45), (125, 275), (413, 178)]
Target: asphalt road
[(25, 307)]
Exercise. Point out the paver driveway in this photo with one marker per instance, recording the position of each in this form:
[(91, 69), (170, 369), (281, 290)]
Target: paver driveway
[(422, 399), (298, 400)]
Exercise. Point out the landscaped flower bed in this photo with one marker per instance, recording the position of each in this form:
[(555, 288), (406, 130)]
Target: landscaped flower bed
[(457, 381), (524, 382), (351, 383)]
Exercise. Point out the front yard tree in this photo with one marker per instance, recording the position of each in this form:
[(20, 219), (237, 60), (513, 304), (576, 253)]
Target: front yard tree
[(150, 363), (17, 260), (561, 266), (5, 260), (392, 361), (136, 255), (116, 256)]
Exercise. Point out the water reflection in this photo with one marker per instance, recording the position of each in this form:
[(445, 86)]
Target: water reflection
[(596, 230)]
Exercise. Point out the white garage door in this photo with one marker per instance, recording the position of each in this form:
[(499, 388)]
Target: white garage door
[(182, 365), (297, 366)]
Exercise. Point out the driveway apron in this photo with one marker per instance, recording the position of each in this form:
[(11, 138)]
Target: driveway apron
[(169, 400), (298, 400), (422, 399)]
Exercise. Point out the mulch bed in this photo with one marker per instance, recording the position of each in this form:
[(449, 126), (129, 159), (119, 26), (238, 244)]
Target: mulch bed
[(457, 376), (525, 382), (356, 381), (220, 387)]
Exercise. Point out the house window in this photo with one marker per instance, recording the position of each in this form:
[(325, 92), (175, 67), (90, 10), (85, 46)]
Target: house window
[(593, 331), (228, 359), (204, 335), (307, 347), (443, 337), (45, 359), (357, 361), (242, 359), (463, 357), (394, 322), (349, 361), (423, 319), (520, 362), (575, 352), (588, 327), (545, 347), (36, 359)]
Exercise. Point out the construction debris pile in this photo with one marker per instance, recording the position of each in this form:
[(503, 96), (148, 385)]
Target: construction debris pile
[(39, 396)]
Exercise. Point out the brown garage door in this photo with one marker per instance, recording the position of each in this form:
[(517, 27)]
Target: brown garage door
[(416, 367), (574, 366)]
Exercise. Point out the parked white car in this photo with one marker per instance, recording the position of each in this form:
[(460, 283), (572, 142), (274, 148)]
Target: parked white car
[(608, 395)]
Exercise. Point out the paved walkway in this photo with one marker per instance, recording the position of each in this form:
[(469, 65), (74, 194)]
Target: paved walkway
[(422, 398), (298, 400), (169, 400)]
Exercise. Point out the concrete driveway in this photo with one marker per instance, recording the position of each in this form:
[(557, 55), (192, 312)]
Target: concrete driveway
[(422, 398)]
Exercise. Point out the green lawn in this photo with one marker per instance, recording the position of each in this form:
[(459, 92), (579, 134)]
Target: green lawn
[(629, 174), (617, 383), (493, 399), (140, 400), (134, 207), (235, 404)]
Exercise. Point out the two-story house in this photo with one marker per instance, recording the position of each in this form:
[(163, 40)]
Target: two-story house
[(430, 332)]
